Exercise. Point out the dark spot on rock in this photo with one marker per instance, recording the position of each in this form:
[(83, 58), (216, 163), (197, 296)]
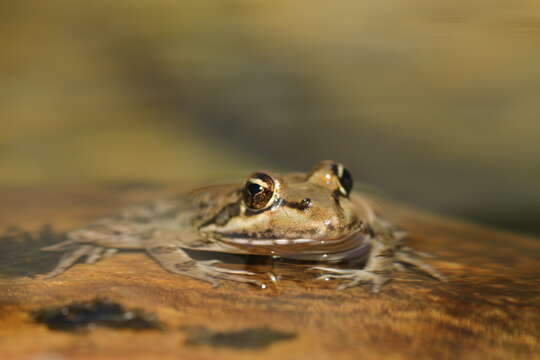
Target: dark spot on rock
[(163, 249), (82, 316), (250, 339), (21, 254)]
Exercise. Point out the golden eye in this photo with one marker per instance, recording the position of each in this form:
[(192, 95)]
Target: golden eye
[(258, 191)]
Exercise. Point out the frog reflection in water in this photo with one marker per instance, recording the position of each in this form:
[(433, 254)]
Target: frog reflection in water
[(311, 216)]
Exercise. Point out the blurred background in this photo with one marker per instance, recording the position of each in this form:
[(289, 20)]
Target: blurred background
[(433, 103)]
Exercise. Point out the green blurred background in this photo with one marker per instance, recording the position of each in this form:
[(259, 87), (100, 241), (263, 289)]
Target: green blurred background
[(432, 102)]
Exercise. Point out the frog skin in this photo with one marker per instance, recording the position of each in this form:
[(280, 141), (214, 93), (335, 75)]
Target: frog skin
[(311, 216)]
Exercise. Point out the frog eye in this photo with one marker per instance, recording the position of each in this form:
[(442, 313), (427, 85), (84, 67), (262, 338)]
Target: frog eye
[(259, 191), (345, 178)]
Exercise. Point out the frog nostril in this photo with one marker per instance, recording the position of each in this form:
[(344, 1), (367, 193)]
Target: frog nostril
[(301, 205)]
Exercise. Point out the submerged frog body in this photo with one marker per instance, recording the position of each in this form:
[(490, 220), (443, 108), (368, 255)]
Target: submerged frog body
[(311, 216)]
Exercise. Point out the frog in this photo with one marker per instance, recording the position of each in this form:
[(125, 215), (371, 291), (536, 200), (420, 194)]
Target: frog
[(312, 217)]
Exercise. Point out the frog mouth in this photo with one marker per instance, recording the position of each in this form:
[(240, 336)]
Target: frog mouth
[(267, 242), (323, 245)]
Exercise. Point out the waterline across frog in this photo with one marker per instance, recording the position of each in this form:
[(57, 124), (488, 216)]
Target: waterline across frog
[(311, 216)]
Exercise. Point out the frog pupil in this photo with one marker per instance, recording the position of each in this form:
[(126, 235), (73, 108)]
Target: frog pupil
[(253, 188), (346, 180)]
